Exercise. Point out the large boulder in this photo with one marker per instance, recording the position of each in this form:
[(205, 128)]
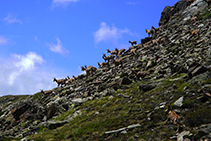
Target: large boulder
[(145, 40), (168, 11), (17, 111), (196, 7), (27, 110)]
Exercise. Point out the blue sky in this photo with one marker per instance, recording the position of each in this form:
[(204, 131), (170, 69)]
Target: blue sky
[(42, 39)]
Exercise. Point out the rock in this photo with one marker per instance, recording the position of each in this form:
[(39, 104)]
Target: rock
[(168, 63), (123, 130), (168, 11), (150, 64), (196, 7), (52, 109), (123, 81), (19, 110), (178, 103), (146, 87), (133, 126), (24, 139), (79, 89), (55, 124), (200, 134), (203, 132), (105, 92), (145, 40), (111, 97), (115, 131), (77, 101), (198, 70), (183, 136)]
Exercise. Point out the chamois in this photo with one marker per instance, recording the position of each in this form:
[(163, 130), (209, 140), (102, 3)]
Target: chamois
[(101, 64), (120, 51), (133, 42), (118, 62), (156, 29), (75, 78), (162, 40), (89, 70), (155, 42), (46, 92), (194, 32), (133, 51), (173, 117), (60, 81), (193, 19), (114, 52), (69, 80), (151, 31), (110, 57), (139, 74)]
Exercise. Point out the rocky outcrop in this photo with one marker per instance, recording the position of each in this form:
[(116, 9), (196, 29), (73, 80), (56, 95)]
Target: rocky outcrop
[(175, 10)]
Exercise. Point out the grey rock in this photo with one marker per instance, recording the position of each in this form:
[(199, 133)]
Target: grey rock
[(79, 89), (146, 87), (178, 103), (182, 135), (123, 130), (133, 126), (52, 109), (55, 124), (115, 131), (198, 70), (77, 101), (195, 8)]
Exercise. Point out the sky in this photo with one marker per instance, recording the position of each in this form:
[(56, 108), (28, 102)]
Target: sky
[(43, 39)]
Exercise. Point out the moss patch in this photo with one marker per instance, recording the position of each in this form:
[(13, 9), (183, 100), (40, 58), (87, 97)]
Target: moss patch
[(198, 117)]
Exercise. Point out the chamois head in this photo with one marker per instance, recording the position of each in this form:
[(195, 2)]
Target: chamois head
[(108, 51), (104, 56), (54, 79), (75, 78), (98, 64), (41, 91), (82, 68)]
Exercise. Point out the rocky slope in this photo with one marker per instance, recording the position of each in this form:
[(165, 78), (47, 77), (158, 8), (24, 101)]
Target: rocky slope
[(115, 104)]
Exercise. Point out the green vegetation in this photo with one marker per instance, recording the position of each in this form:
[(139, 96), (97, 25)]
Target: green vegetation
[(125, 107), (198, 117), (9, 139), (205, 15)]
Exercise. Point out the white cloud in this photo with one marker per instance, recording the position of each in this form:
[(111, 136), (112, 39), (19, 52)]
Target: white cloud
[(28, 61), (12, 19), (107, 33), (24, 74), (3, 40), (58, 48), (57, 3)]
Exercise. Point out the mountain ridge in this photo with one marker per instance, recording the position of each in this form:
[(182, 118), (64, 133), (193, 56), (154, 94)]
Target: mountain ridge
[(169, 71)]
